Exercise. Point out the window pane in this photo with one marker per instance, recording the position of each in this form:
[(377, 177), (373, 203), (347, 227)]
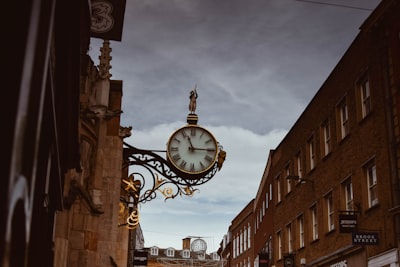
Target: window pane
[(372, 181)]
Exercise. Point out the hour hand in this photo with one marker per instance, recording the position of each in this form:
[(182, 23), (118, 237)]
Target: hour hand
[(191, 147)]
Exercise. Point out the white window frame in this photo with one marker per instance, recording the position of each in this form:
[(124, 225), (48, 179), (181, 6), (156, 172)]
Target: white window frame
[(248, 235), (289, 237), (170, 252), (348, 194), (263, 208), (299, 168), (288, 181), (279, 240), (344, 119), (154, 251), (326, 130), (372, 181), (278, 189), (311, 151), (330, 212), (300, 221), (314, 221), (241, 242), (186, 254), (365, 97), (245, 239)]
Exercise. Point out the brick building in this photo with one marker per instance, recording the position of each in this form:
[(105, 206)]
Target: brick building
[(263, 211), (329, 195), (241, 230), (340, 159)]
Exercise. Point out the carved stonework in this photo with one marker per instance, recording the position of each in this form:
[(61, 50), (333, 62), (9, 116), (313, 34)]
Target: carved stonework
[(125, 132), (105, 59)]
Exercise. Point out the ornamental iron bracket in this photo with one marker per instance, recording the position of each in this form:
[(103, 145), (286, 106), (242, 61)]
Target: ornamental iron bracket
[(156, 165)]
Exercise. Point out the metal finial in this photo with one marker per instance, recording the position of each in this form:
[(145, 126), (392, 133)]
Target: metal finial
[(192, 103)]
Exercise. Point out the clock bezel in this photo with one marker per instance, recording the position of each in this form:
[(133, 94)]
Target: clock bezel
[(174, 163)]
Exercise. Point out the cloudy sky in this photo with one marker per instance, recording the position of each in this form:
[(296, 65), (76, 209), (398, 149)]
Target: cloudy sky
[(256, 65)]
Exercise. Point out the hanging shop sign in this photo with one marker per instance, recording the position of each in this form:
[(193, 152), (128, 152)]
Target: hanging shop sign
[(347, 223), (107, 19), (288, 260), (140, 258), (263, 259), (342, 263), (365, 238)]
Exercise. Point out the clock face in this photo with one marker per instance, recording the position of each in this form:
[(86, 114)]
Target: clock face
[(192, 149), (198, 245)]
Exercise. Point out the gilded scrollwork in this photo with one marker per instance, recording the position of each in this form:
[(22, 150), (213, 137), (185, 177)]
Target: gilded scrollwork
[(172, 183)]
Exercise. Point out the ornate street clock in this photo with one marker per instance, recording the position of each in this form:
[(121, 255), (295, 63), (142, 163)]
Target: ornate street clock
[(193, 156), (192, 149)]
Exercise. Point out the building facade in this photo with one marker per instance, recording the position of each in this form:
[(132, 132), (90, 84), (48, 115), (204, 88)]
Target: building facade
[(263, 224), (63, 142), (241, 230), (329, 195), (41, 140)]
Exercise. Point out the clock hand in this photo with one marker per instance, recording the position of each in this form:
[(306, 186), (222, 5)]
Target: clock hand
[(191, 147), (206, 149)]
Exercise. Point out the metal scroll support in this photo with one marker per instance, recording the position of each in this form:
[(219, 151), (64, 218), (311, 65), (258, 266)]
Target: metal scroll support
[(157, 166), (136, 188)]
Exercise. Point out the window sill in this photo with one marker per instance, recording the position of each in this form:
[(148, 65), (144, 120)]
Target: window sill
[(330, 232), (370, 209), (344, 138)]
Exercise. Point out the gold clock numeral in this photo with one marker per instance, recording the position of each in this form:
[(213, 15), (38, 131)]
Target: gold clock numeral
[(193, 132), (192, 167), (208, 141), (184, 134), (177, 140), (174, 148)]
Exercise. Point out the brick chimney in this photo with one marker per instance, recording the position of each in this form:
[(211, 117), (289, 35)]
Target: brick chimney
[(186, 243)]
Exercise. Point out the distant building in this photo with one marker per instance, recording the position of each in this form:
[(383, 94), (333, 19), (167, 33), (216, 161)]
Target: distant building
[(329, 195), (193, 253)]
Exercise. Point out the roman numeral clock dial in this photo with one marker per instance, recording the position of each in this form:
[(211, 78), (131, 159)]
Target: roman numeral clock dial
[(192, 149)]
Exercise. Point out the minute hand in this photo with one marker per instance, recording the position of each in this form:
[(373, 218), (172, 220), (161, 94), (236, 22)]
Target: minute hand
[(205, 149)]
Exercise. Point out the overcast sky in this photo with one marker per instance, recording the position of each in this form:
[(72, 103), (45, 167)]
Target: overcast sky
[(256, 65)]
